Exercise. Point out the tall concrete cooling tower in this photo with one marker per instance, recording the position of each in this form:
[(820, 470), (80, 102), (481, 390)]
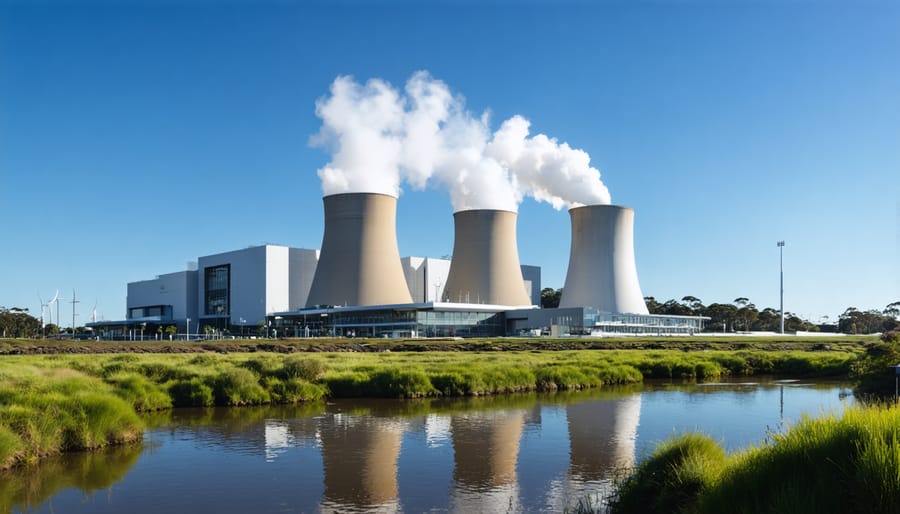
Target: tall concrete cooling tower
[(360, 262), (485, 266), (602, 273)]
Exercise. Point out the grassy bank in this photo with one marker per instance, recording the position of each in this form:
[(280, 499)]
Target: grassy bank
[(689, 344), (821, 465), (55, 403)]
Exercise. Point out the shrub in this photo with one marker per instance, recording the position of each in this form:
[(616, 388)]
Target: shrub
[(454, 383), (398, 383), (192, 392), (261, 365), (10, 446), (873, 371), (97, 419), (348, 384), (292, 390), (239, 386), (140, 392), (672, 478), (204, 360), (551, 378), (306, 368), (159, 372)]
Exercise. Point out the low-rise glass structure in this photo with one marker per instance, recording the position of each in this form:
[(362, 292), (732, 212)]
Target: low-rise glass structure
[(430, 319), (439, 319)]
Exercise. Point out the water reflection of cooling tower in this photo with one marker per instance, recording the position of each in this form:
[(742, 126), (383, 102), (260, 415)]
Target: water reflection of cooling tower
[(485, 266), (485, 454), (360, 460), (360, 262), (602, 436), (602, 272)]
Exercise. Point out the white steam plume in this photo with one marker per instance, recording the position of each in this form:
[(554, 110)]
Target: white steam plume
[(380, 138), (547, 170), (363, 125)]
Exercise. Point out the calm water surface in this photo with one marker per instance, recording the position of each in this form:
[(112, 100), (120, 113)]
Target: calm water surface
[(528, 453)]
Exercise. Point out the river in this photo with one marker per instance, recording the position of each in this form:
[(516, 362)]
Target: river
[(521, 453)]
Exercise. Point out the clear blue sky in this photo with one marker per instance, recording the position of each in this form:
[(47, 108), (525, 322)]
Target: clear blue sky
[(137, 137)]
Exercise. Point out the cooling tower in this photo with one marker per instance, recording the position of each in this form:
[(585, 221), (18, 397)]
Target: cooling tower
[(359, 263), (485, 266), (601, 272)]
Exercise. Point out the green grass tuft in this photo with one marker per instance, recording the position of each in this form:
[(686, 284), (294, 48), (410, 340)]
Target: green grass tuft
[(673, 477), (239, 386), (144, 395), (191, 392), (821, 465)]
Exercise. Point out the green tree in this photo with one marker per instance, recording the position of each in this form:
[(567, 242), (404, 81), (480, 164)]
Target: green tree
[(673, 308), (746, 312), (653, 307), (171, 331), (768, 320), (16, 322), (550, 297), (693, 303), (855, 321), (721, 315)]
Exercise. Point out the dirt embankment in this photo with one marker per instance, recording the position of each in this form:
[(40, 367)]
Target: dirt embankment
[(44, 347)]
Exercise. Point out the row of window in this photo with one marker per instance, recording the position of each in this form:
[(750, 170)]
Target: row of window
[(216, 287)]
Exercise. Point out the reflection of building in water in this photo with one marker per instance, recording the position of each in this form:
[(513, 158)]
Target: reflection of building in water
[(277, 438), (486, 450), (359, 455), (437, 430), (602, 436)]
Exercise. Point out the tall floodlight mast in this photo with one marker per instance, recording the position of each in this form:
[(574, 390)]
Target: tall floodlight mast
[(781, 277)]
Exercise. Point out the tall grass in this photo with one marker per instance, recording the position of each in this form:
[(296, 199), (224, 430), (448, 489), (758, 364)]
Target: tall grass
[(821, 465), (55, 403), (672, 478), (48, 411)]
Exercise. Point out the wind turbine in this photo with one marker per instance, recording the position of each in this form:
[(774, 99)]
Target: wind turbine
[(50, 309), (42, 314)]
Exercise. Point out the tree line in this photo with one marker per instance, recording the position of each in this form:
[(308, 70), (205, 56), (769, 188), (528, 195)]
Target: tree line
[(741, 315), (16, 322)]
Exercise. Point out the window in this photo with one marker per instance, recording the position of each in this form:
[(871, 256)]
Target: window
[(217, 289)]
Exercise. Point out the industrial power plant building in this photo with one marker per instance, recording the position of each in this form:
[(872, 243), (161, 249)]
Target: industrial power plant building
[(359, 286)]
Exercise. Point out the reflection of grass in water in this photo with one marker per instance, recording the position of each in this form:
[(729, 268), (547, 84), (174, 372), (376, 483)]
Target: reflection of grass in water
[(29, 487), (57, 403)]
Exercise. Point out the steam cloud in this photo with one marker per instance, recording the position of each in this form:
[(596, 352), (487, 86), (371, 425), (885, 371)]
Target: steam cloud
[(380, 138)]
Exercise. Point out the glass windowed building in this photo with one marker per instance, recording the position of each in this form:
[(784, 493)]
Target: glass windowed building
[(431, 319)]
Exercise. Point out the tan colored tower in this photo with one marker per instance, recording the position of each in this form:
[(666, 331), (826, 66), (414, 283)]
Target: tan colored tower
[(486, 454), (602, 273), (602, 436), (485, 266), (359, 457), (360, 262)]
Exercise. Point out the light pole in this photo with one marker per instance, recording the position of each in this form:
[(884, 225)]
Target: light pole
[(187, 335), (243, 321), (781, 276)]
